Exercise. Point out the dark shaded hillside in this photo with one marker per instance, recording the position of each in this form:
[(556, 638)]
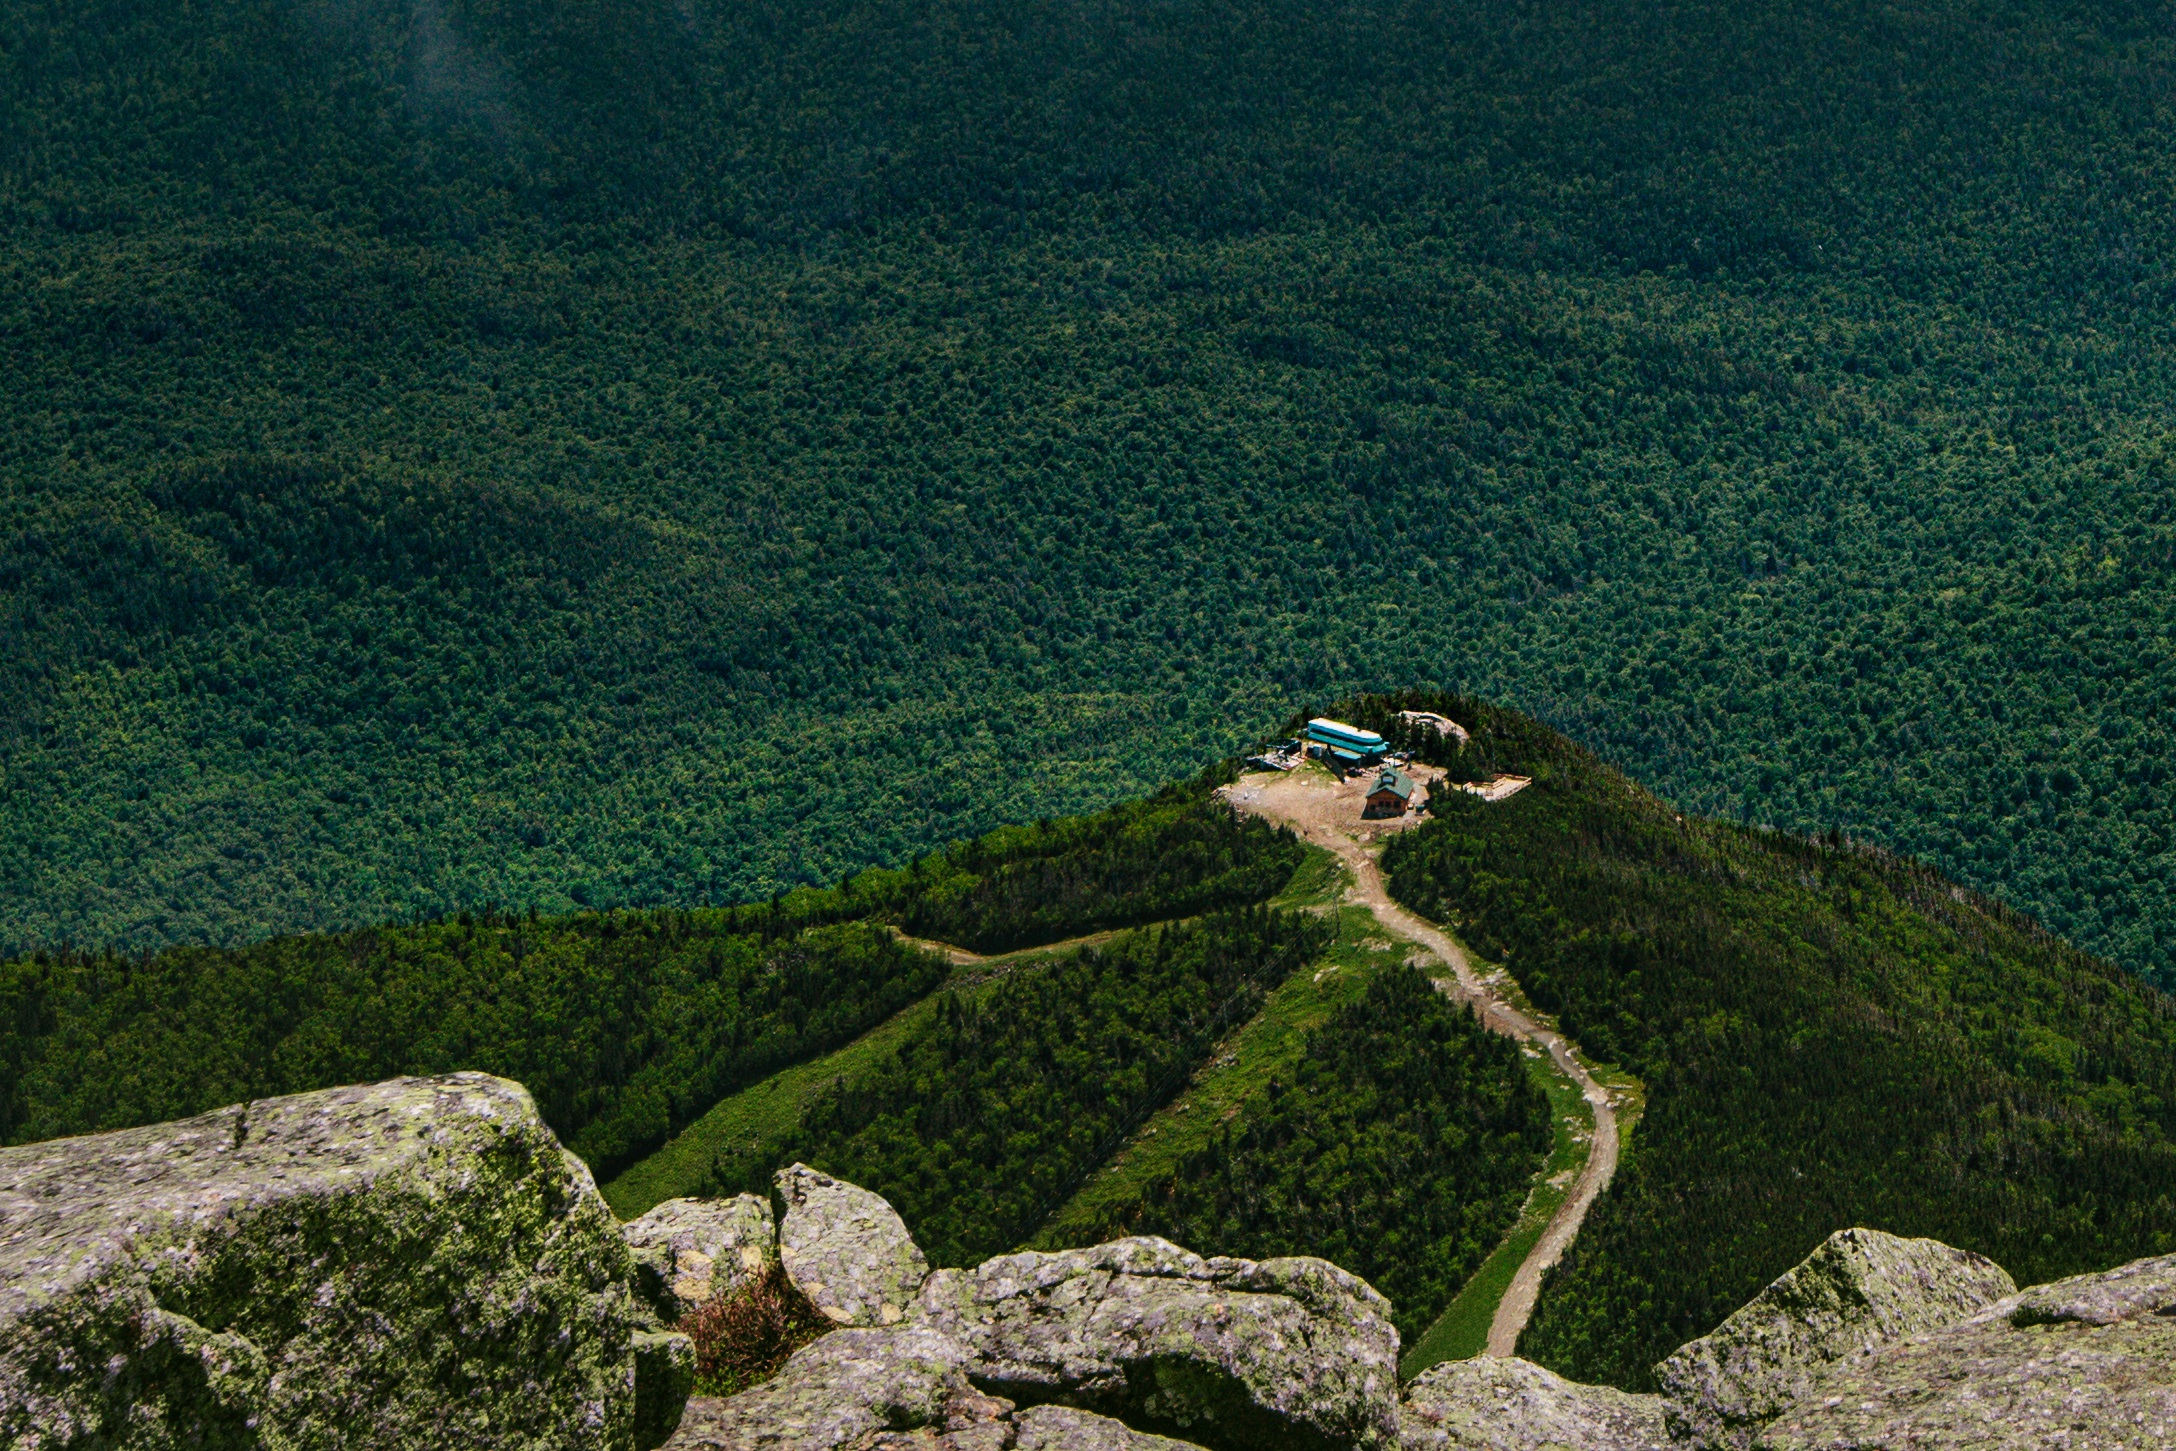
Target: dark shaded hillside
[(1829, 1036), (670, 452), (624, 1025)]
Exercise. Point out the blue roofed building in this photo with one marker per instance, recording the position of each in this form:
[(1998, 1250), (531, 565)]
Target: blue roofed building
[(1340, 744)]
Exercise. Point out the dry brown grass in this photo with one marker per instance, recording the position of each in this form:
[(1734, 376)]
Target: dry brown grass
[(743, 1338)]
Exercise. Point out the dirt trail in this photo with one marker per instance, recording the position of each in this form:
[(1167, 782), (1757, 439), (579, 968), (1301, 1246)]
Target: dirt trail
[(1327, 813), (997, 964)]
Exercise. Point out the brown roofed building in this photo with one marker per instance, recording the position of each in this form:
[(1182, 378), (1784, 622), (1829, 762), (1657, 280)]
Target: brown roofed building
[(1391, 794)]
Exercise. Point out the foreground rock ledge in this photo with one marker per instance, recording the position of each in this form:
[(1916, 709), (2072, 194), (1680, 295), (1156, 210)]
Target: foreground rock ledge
[(902, 1389), (1858, 1290), (415, 1263), (2087, 1362), (1515, 1405), (1229, 1353)]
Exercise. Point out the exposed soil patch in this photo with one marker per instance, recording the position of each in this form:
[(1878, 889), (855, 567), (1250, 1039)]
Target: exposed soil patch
[(1327, 812)]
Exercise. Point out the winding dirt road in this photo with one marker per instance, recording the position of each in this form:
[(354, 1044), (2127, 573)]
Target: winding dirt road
[(1327, 813)]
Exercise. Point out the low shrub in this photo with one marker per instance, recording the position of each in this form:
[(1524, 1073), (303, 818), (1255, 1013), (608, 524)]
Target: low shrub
[(743, 1338)]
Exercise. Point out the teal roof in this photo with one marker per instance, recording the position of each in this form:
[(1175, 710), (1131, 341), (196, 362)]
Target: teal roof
[(1337, 733), (1394, 781)]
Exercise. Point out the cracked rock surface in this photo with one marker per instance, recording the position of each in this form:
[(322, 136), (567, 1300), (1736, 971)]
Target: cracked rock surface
[(903, 1389), (847, 1249), (1488, 1404), (687, 1250), (415, 1263), (2087, 1362), (1229, 1353), (1859, 1290)]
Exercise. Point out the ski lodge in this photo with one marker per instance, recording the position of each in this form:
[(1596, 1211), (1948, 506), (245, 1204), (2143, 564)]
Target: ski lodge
[(1391, 794), (1344, 746)]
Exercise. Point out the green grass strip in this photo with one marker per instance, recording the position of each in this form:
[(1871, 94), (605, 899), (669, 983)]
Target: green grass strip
[(770, 1107), (1461, 1332), (1250, 1057)]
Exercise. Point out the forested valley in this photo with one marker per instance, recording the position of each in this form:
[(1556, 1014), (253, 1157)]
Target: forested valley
[(667, 453)]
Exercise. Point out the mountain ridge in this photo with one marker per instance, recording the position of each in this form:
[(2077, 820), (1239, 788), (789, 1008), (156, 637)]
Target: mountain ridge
[(1801, 1013)]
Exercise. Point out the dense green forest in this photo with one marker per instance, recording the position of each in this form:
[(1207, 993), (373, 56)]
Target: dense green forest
[(1401, 1150), (624, 1025), (1178, 853), (1829, 1036), (979, 1126), (669, 451)]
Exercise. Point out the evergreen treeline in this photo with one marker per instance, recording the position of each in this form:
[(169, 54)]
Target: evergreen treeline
[(1174, 855), (977, 1128), (1177, 853), (625, 1025), (1401, 1150), (670, 452), (1829, 1036)]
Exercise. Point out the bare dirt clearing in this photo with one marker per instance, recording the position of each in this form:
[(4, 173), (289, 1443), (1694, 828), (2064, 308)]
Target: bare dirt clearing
[(1327, 812)]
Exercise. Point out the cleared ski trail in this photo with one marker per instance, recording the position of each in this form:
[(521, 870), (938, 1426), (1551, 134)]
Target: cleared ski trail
[(1317, 809)]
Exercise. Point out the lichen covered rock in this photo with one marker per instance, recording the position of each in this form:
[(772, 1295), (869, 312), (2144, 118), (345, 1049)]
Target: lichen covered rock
[(899, 1389), (687, 1250), (1859, 1290), (1225, 1352), (2083, 1362), (1514, 1405), (844, 1387), (664, 1379), (415, 1263), (1062, 1428), (846, 1249)]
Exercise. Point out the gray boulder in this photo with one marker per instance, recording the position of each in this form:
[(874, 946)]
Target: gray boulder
[(664, 1379), (902, 1389), (990, 1424), (843, 1388), (1062, 1428), (1514, 1405), (846, 1250), (687, 1250), (415, 1263), (2084, 1362), (1227, 1352), (1860, 1289)]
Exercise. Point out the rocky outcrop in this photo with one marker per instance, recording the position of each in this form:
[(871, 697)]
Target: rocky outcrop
[(1860, 1289), (415, 1263), (846, 1250), (1061, 1428), (1515, 1405), (687, 1250), (843, 1387), (2083, 1362), (664, 1379), (1872, 1341), (1226, 1352), (901, 1389)]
